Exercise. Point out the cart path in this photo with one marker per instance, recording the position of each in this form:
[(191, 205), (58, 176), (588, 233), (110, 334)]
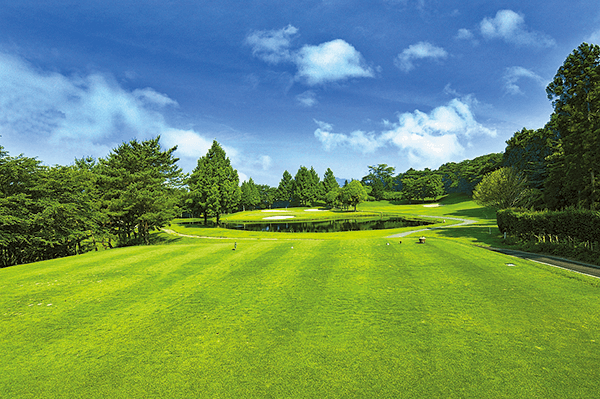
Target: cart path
[(464, 222), (579, 267)]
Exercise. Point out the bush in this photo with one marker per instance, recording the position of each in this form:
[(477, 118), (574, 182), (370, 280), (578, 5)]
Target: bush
[(577, 224), (573, 233)]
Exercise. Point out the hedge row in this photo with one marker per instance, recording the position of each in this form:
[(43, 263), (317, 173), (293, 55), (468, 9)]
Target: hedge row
[(578, 224)]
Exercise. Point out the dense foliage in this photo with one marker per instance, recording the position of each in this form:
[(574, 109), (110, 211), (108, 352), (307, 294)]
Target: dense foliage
[(575, 92), (503, 188), (49, 212), (214, 185)]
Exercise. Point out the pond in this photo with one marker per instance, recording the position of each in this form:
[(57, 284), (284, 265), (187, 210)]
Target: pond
[(329, 226)]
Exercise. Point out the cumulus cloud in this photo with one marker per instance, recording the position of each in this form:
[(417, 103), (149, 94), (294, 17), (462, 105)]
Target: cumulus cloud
[(273, 45), (512, 76), (307, 99), (419, 51), (327, 62), (62, 117), (331, 61), (464, 34), (358, 140), (510, 26), (433, 137)]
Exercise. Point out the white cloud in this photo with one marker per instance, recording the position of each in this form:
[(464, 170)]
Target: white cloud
[(307, 99), (273, 45), (510, 26), (419, 51), (189, 143), (150, 96), (331, 61), (61, 117), (512, 76), (464, 34), (326, 62), (426, 138), (358, 140)]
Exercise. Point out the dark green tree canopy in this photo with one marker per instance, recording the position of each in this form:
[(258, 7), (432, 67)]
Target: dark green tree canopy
[(137, 181), (575, 92)]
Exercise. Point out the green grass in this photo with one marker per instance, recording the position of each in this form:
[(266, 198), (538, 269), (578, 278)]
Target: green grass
[(295, 317)]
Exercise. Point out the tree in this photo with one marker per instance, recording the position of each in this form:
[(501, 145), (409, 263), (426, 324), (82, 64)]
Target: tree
[(462, 177), (285, 188), (527, 150), (333, 197), (267, 195), (329, 181), (502, 188), (380, 178), (304, 187), (137, 180), (250, 195), (20, 240), (575, 92), (214, 184), (353, 194), (317, 185)]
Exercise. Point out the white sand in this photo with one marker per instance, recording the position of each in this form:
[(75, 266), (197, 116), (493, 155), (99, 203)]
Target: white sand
[(274, 210), (432, 205), (314, 210), (279, 217)]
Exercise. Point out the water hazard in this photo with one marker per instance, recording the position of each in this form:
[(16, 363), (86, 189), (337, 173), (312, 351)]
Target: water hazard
[(329, 226)]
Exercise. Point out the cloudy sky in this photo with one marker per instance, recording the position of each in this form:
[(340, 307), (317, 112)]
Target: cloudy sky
[(331, 83)]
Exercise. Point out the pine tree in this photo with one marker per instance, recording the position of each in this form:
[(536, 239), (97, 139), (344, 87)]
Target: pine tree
[(214, 184), (285, 188), (137, 181)]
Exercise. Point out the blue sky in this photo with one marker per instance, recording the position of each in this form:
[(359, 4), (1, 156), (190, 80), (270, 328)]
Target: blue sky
[(339, 84)]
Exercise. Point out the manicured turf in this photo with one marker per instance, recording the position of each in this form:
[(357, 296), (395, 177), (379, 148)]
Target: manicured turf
[(316, 318)]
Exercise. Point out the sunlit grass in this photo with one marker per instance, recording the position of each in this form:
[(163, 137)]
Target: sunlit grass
[(349, 315)]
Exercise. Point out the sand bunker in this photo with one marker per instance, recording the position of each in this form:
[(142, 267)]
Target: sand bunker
[(274, 210), (278, 217), (432, 205), (314, 210)]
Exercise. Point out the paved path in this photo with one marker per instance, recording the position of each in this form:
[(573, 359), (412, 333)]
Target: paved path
[(579, 267), (463, 223)]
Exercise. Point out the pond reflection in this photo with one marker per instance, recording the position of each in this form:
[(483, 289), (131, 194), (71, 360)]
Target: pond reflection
[(329, 226)]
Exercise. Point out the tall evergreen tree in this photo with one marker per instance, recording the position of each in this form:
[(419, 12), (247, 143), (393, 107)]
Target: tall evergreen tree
[(329, 181), (214, 184), (304, 187), (575, 92), (250, 195), (286, 187)]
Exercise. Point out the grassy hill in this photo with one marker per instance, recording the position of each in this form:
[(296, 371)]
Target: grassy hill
[(294, 315)]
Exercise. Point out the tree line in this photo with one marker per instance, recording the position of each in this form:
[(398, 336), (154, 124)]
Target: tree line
[(54, 211), (556, 167)]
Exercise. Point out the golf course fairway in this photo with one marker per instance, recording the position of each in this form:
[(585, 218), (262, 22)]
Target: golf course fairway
[(354, 315)]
